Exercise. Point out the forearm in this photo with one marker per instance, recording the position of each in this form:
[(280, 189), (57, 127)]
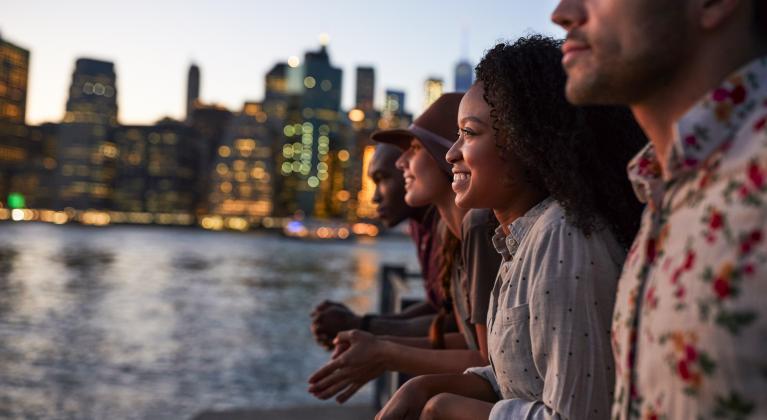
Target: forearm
[(412, 327), (421, 361), (464, 384), (452, 341), (413, 311)]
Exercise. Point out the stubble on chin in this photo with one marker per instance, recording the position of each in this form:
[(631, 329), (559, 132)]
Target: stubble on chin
[(626, 73)]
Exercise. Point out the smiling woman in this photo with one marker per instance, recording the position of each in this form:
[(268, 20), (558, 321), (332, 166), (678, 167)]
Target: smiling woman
[(547, 169)]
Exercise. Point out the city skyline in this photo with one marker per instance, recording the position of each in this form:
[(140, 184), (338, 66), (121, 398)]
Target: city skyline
[(149, 57)]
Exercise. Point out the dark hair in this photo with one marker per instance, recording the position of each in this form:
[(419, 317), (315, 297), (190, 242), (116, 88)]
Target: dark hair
[(450, 247), (576, 154)]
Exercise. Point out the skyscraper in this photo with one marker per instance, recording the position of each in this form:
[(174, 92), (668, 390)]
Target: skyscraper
[(93, 93), (25, 152), (433, 89), (192, 90), (393, 114), (276, 92), (157, 172), (87, 155), (312, 137), (14, 71), (365, 89), (464, 76), (241, 181)]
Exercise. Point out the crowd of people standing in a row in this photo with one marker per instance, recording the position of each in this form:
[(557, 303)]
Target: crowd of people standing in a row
[(558, 287)]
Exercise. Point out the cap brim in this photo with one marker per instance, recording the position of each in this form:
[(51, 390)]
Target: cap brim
[(399, 137)]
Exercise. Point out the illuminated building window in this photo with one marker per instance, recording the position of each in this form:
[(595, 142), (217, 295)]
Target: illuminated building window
[(343, 196), (356, 115), (343, 155), (313, 181), (289, 131), (222, 169), (309, 82), (226, 187), (224, 151), (245, 144), (326, 85), (257, 173), (287, 151)]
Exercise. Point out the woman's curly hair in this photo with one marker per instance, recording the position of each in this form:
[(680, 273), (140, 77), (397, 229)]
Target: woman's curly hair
[(576, 154)]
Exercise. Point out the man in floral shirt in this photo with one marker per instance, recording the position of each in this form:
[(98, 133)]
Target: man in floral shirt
[(690, 324)]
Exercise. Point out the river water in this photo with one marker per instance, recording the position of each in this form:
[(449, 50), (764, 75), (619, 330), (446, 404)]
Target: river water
[(163, 323)]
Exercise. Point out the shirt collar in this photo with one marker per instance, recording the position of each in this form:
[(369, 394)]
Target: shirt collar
[(708, 126), (518, 229)]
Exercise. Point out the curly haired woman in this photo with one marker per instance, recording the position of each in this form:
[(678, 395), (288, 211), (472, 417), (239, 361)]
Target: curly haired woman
[(554, 176)]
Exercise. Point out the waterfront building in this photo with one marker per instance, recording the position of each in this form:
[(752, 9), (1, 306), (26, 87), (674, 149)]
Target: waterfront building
[(464, 76), (192, 90), (365, 93), (314, 150), (433, 89), (92, 94), (393, 114), (86, 153), (158, 173), (15, 148), (241, 187)]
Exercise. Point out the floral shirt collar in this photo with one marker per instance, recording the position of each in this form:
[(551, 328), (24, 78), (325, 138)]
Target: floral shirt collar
[(518, 229), (707, 127)]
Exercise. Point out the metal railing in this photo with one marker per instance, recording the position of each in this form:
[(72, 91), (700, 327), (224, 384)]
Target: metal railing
[(395, 284)]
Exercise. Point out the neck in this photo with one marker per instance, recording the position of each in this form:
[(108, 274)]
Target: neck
[(521, 204), (658, 112), (450, 213), (418, 213)]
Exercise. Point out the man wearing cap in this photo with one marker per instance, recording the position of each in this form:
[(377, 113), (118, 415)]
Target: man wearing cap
[(468, 274), (690, 322), (329, 318)]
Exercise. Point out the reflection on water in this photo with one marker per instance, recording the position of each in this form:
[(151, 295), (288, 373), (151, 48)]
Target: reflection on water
[(130, 322)]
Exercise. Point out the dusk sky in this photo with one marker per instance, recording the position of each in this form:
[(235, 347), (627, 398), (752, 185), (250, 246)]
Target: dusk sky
[(235, 42)]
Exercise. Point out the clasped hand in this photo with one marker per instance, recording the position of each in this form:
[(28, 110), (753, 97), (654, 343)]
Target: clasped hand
[(357, 359)]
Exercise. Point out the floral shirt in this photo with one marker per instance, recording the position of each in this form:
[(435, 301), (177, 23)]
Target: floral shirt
[(689, 330)]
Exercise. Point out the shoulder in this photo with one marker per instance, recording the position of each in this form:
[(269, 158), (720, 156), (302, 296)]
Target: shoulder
[(554, 237), (477, 221)]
